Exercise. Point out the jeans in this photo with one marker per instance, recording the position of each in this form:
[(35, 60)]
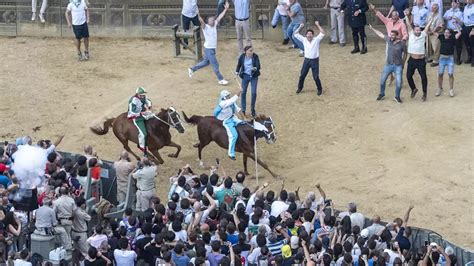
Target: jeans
[(291, 29), (209, 58), (312, 64), (253, 85), (231, 128), (285, 21), (446, 61), (186, 23), (420, 65), (387, 70)]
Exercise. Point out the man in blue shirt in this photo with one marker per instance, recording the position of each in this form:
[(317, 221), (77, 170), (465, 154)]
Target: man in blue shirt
[(399, 6), (295, 11), (242, 25), (420, 14)]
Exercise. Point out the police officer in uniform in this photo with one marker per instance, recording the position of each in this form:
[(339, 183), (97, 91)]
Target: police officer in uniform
[(356, 17)]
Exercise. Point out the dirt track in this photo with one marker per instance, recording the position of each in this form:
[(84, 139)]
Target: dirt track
[(381, 155)]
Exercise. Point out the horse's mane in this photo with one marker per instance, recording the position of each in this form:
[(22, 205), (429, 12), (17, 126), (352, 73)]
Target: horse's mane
[(260, 117)]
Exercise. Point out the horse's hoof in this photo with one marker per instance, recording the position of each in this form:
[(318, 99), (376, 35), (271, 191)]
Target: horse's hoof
[(171, 155), (196, 145)]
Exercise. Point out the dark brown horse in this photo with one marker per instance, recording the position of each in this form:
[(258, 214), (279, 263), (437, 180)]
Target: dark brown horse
[(157, 128), (211, 129)]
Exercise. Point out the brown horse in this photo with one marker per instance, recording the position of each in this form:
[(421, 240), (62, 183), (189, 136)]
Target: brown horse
[(157, 127), (211, 129)]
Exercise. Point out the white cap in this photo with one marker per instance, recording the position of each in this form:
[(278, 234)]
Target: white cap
[(224, 93), (364, 233), (294, 242)]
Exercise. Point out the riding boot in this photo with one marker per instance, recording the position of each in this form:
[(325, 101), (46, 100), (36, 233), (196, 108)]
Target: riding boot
[(356, 45), (364, 46)]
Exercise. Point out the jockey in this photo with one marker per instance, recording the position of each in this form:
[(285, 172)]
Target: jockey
[(139, 107), (226, 111)]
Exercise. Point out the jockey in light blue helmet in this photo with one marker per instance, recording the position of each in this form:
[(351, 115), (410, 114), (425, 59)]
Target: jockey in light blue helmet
[(226, 110)]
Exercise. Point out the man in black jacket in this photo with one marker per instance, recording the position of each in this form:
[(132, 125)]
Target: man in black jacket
[(356, 16), (248, 69)]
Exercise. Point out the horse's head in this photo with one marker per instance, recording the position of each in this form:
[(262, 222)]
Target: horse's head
[(175, 120), (270, 133)]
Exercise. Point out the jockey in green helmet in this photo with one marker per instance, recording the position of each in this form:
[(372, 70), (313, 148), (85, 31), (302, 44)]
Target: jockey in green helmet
[(139, 106)]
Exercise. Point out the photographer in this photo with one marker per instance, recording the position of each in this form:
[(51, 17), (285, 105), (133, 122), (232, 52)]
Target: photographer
[(145, 175), (123, 167)]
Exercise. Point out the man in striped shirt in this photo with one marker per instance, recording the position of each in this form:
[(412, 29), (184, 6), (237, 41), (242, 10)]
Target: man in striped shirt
[(274, 244)]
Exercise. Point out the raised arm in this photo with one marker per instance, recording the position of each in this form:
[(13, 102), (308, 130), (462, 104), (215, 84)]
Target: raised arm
[(378, 33), (408, 20), (201, 21), (309, 261), (407, 216), (222, 14), (319, 27), (321, 191), (211, 201)]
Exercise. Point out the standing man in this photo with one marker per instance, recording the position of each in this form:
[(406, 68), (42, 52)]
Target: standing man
[(468, 31), (210, 46), (420, 14), (446, 59), (79, 226), (453, 18), (248, 69), (281, 14), (393, 23), (123, 167), (226, 111), (139, 108), (65, 207), (417, 51), (189, 14), (356, 11), (429, 4), (145, 176), (435, 27), (311, 56), (295, 11), (242, 24), (337, 22), (78, 12), (396, 56), (44, 5), (399, 6)]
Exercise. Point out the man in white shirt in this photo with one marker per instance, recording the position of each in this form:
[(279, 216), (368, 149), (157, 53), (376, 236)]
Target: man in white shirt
[(77, 17), (311, 56), (189, 14), (124, 256), (417, 50), (210, 45), (281, 14)]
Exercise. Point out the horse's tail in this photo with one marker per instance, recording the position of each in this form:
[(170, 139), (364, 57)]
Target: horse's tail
[(108, 123), (191, 120)]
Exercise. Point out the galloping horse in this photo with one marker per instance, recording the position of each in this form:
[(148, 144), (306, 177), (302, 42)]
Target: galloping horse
[(211, 129), (157, 127)]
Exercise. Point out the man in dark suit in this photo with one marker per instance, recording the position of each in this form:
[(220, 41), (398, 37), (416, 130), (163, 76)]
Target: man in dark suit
[(356, 16)]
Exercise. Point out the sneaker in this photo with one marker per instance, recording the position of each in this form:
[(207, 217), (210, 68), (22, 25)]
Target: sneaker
[(86, 55), (190, 73), (79, 56), (301, 54), (33, 16), (342, 44), (438, 92), (423, 98), (397, 99), (413, 93), (223, 82), (286, 41), (380, 97), (451, 92), (274, 26), (41, 17)]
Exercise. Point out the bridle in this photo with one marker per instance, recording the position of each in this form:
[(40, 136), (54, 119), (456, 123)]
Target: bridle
[(272, 134), (171, 122)]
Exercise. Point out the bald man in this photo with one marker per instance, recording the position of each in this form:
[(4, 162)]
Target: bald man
[(376, 227), (145, 176), (123, 167), (89, 153)]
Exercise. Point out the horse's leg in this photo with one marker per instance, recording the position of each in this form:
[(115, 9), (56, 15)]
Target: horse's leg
[(127, 148), (157, 155), (200, 147), (245, 157), (264, 165), (172, 144)]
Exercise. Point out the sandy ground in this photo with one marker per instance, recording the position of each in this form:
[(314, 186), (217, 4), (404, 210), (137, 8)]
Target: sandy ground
[(382, 155)]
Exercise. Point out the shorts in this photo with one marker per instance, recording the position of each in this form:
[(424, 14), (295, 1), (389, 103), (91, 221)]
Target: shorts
[(81, 31), (446, 61)]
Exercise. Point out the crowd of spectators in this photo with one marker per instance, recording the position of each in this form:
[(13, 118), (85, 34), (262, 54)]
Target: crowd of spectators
[(206, 219)]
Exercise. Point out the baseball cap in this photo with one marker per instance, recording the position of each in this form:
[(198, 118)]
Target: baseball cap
[(286, 251), (364, 233), (294, 242)]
